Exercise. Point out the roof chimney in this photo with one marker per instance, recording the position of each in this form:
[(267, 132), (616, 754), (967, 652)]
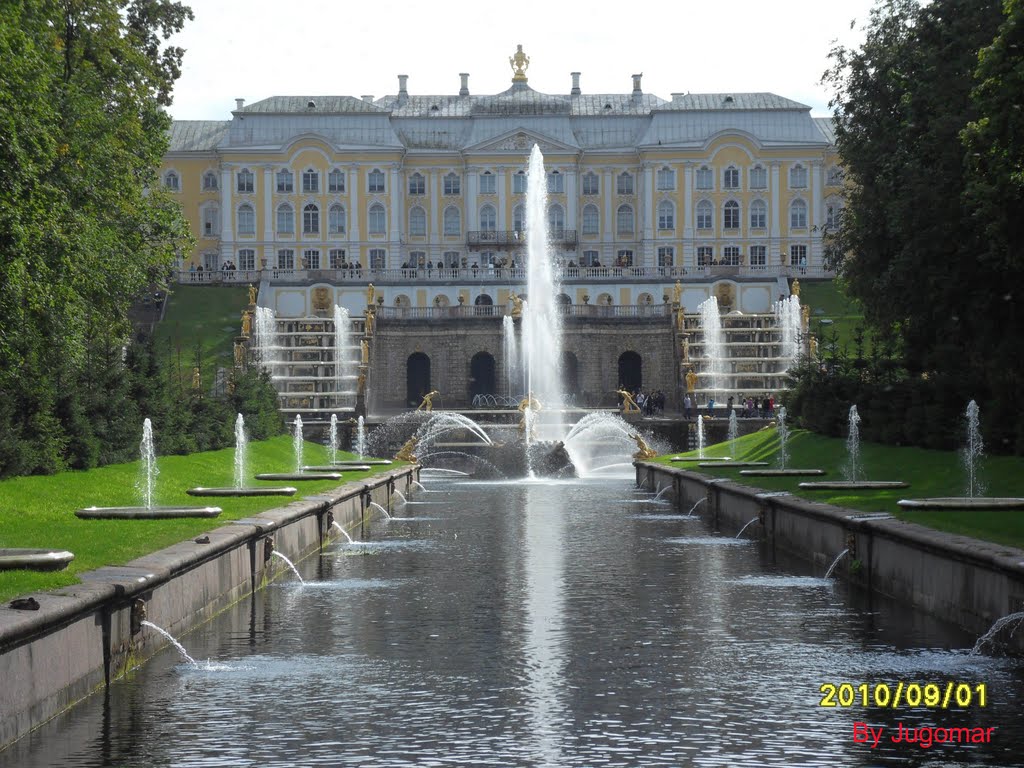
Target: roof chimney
[(464, 90), (403, 93), (575, 84), (636, 85), (239, 103), (368, 98)]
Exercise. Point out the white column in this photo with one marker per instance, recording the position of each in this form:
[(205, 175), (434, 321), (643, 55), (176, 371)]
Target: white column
[(227, 208), (776, 204), (688, 257), (353, 210), (435, 216), (608, 191), (502, 198), (818, 212), (647, 204), (472, 184), (268, 204), (395, 200), (572, 199)]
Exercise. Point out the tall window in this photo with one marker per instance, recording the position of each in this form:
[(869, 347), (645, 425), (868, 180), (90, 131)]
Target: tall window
[(798, 255), (704, 178), (310, 220), (731, 255), (731, 178), (758, 177), (211, 221), (519, 183), (378, 258), (624, 259), (705, 214), (247, 259), (451, 259), (336, 181), (336, 220), (246, 220), (590, 258), (285, 219), (624, 184), (336, 257), (666, 179), (666, 215), (731, 215), (556, 221), (798, 177), (833, 214), (285, 181), (591, 219), (310, 181), (172, 181), (591, 184), (375, 182), (556, 183), (835, 176), (417, 222), (452, 184), (666, 256), (798, 215), (624, 220), (758, 256), (377, 220), (488, 219), (246, 182), (758, 214), (209, 181), (452, 221), (705, 255), (311, 258), (417, 259), (487, 184), (417, 184), (286, 258), (519, 218)]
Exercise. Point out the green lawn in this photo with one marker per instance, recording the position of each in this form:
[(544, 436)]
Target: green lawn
[(831, 312), (205, 316), (930, 473), (38, 511)]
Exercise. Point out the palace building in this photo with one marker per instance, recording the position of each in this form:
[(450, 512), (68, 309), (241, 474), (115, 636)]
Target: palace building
[(314, 197)]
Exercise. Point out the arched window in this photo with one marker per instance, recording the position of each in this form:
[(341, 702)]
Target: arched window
[(417, 222), (556, 221), (488, 219), (704, 178), (758, 177), (519, 218), (246, 220), (285, 181), (375, 182), (172, 181), (705, 215), (377, 220), (209, 181), (336, 181), (310, 181), (417, 185), (798, 215), (798, 177), (452, 221), (731, 215), (624, 220), (452, 184), (310, 219), (591, 219), (246, 181), (285, 219), (336, 220), (758, 214), (731, 178), (624, 184), (666, 215)]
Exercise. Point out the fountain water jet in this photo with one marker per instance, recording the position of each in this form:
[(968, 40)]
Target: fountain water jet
[(290, 564), (696, 504), (297, 442), (337, 525), (1015, 619), (332, 439), (510, 347), (734, 428), (381, 509), (360, 437), (749, 523), (241, 462), (783, 469), (241, 450), (853, 469), (700, 436), (714, 346), (167, 635), (973, 451), (835, 562), (788, 320), (147, 464)]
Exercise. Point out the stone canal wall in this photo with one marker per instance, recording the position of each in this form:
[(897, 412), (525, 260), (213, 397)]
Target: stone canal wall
[(85, 635), (969, 582)]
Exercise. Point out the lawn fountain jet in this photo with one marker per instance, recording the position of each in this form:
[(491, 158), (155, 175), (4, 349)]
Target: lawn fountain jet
[(853, 467), (241, 458), (782, 470), (971, 455), (299, 474), (146, 486), (700, 457)]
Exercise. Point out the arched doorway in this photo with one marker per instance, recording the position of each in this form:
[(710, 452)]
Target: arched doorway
[(570, 375), (484, 305), (417, 378), (630, 371), (482, 378)]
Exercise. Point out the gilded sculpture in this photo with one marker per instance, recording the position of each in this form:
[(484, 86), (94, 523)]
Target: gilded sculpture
[(677, 293), (252, 295), (371, 292), (517, 305), (405, 453), (364, 349), (691, 381), (519, 63), (246, 322), (427, 404), (794, 289), (628, 403), (644, 451)]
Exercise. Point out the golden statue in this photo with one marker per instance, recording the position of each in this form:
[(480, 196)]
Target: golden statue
[(644, 450), (370, 317), (252, 295), (691, 380), (519, 62), (628, 403), (364, 349), (371, 292), (427, 403), (805, 315), (239, 354), (517, 305), (794, 289), (677, 293), (197, 382), (530, 402), (686, 348), (405, 453), (813, 343), (680, 319), (361, 383), (246, 322)]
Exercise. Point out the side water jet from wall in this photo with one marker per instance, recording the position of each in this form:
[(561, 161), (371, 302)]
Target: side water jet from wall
[(750, 523), (989, 638), (175, 643), (835, 562), (697, 504), (290, 564), (380, 509), (337, 525)]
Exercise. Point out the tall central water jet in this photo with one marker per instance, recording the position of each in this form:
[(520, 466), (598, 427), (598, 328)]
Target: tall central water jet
[(853, 446), (511, 350), (297, 442), (147, 464), (241, 447), (342, 341), (542, 324), (714, 345)]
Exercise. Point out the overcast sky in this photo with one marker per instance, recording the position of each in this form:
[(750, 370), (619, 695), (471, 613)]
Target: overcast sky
[(253, 49)]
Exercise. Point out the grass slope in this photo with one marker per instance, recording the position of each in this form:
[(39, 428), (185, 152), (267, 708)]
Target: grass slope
[(38, 511), (842, 314), (930, 473)]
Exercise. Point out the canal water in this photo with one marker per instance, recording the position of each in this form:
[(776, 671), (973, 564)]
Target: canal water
[(577, 623)]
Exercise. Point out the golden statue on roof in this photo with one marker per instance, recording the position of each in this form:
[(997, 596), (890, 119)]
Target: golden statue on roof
[(519, 62)]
